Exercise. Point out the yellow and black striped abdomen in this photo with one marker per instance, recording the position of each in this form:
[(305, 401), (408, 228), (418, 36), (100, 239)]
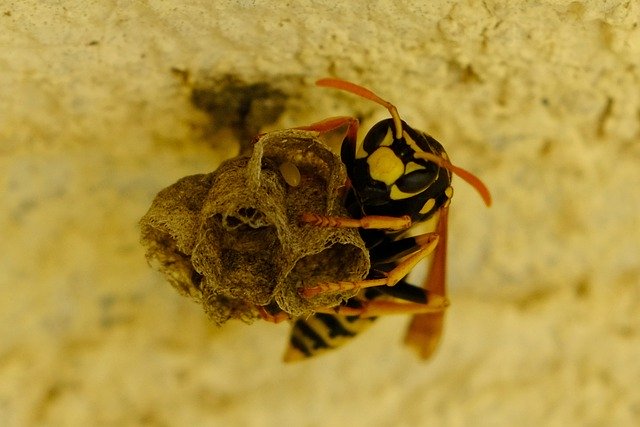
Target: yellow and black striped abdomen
[(320, 332)]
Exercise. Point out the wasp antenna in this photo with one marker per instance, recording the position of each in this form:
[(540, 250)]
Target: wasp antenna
[(470, 178), (364, 93)]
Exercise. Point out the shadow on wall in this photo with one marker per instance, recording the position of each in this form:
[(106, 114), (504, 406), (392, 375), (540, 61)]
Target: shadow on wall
[(244, 107)]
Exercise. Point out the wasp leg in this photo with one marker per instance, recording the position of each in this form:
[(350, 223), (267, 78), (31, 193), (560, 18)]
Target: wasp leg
[(279, 316), (467, 176), (425, 330), (350, 140), (368, 222), (257, 138), (387, 251), (427, 243), (349, 143), (333, 123)]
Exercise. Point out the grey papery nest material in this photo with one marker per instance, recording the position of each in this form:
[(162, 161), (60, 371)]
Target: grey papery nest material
[(232, 239)]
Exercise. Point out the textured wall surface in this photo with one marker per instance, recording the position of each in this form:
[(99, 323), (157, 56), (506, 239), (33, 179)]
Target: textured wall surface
[(541, 99)]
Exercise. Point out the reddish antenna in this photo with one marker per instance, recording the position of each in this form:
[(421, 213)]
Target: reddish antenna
[(467, 176), (365, 93)]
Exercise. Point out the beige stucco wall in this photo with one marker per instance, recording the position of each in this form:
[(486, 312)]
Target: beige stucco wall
[(541, 99)]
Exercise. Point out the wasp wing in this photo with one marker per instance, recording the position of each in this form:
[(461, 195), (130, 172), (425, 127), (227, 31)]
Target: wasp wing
[(425, 330)]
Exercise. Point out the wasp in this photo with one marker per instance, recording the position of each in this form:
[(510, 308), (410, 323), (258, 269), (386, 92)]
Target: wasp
[(399, 179)]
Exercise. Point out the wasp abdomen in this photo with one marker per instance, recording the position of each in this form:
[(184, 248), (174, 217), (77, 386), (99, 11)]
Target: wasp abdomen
[(322, 332)]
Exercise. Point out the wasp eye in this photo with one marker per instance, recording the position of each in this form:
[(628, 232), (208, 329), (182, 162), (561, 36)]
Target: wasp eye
[(415, 181)]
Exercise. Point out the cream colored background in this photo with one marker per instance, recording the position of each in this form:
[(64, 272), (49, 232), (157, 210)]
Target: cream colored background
[(541, 99)]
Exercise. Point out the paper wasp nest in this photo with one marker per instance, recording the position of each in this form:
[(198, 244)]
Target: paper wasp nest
[(232, 239)]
